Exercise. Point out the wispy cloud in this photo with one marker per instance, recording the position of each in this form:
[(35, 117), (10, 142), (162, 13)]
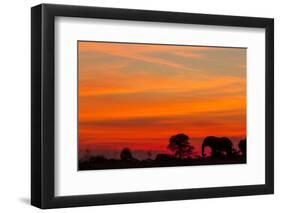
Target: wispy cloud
[(133, 93)]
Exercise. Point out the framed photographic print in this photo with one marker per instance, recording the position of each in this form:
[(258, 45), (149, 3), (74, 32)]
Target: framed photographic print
[(140, 106)]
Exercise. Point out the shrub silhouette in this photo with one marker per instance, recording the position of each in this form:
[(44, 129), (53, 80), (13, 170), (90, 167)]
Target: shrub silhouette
[(180, 145), (218, 146), (126, 154)]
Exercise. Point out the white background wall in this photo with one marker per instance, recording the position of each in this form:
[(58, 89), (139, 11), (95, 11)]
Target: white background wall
[(15, 105)]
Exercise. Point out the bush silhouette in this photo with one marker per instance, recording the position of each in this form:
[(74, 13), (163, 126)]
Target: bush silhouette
[(180, 145), (126, 154)]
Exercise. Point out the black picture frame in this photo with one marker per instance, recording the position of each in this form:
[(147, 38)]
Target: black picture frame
[(43, 102)]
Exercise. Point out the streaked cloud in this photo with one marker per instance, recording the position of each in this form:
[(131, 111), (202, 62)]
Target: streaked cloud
[(139, 95)]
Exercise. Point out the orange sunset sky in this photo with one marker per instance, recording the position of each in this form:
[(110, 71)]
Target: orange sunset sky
[(138, 95)]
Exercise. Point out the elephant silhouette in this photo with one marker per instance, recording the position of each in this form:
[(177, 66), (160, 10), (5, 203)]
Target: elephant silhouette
[(242, 146), (218, 146)]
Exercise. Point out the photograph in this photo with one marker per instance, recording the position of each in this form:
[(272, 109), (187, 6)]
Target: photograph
[(144, 105)]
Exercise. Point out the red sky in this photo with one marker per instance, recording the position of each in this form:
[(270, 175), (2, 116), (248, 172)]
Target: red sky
[(139, 95)]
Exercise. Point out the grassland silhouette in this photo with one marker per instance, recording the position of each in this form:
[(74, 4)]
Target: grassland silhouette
[(221, 152)]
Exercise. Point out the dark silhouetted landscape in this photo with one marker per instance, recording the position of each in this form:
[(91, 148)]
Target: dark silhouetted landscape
[(221, 152)]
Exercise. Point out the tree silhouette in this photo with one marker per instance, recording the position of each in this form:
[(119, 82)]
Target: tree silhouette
[(126, 154), (180, 145)]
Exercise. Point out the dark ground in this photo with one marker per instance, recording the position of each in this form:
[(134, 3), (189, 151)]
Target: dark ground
[(98, 162)]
